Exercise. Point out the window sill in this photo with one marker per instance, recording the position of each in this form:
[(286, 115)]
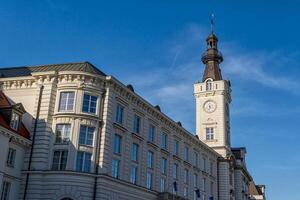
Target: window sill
[(165, 151), (187, 163), (137, 136), (120, 126), (152, 144), (177, 158)]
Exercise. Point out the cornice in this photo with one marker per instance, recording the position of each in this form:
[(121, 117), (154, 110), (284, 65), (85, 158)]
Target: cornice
[(14, 137)]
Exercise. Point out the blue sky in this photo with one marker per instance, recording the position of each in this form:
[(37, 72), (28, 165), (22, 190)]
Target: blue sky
[(156, 46)]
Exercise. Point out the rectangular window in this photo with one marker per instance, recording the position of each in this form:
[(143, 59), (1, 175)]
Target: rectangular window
[(115, 167), (151, 132), (175, 171), (204, 184), (164, 141), (149, 180), (5, 190), (136, 124), (60, 158), (133, 174), (195, 180), (117, 144), (163, 166), (14, 122), (176, 148), (134, 152), (89, 103), (150, 159), (63, 133), (119, 114), (86, 135), (83, 162), (185, 191), (186, 176), (204, 164), (162, 184), (211, 188), (66, 101), (211, 167), (11, 157), (186, 153), (196, 164), (209, 133)]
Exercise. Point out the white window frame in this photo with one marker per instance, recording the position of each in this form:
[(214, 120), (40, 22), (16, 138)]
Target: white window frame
[(11, 156), (89, 101), (86, 135), (15, 120), (65, 138), (67, 101), (209, 133)]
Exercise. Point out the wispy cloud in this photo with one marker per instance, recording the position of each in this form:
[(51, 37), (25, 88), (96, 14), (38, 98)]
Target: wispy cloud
[(172, 86)]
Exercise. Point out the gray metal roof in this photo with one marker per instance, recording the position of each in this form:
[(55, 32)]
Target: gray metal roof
[(27, 70)]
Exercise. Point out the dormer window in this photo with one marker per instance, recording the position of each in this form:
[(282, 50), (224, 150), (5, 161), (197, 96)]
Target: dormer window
[(208, 85), (14, 122)]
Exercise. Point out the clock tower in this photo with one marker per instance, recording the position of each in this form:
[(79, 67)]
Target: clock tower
[(213, 97)]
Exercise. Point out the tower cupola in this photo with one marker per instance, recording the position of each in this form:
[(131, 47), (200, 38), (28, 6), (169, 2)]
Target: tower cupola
[(212, 59)]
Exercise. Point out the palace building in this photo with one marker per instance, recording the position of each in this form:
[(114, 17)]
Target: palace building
[(92, 137)]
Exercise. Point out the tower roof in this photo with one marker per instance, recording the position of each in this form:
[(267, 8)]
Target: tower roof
[(212, 58)]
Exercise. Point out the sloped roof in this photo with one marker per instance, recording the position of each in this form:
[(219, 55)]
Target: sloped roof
[(27, 70), (5, 104)]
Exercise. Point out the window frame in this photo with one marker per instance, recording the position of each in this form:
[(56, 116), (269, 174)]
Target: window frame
[(134, 154), (67, 101), (61, 166), (117, 147), (164, 141), (151, 133), (89, 103), (15, 121), (210, 133), (86, 135), (119, 113), (62, 135), (5, 190), (11, 157), (84, 161), (137, 124), (133, 174)]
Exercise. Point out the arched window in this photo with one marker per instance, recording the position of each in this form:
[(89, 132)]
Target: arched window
[(208, 85)]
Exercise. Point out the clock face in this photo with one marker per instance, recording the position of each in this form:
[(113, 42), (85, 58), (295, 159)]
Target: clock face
[(210, 106)]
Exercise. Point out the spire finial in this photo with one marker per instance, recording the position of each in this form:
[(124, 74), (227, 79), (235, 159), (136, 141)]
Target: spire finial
[(212, 18)]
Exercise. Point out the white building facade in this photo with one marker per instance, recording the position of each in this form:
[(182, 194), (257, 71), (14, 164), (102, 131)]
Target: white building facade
[(95, 138)]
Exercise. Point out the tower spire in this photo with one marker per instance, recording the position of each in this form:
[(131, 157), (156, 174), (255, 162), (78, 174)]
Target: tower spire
[(212, 17), (212, 57)]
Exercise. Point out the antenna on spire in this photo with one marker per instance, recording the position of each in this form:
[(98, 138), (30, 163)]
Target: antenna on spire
[(212, 18)]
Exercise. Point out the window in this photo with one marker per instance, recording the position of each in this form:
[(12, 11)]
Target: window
[(204, 164), (14, 122), (211, 167), (195, 180), (136, 124), (60, 158), (5, 190), (134, 152), (119, 114), (164, 141), (149, 180), (133, 174), (162, 184), (86, 135), (150, 159), (176, 147), (211, 188), (66, 102), (89, 103), (63, 133), (209, 133), (185, 191), (117, 144), (151, 132), (175, 171), (163, 165), (196, 164), (204, 184), (11, 157), (83, 163), (208, 85), (186, 153), (186, 176), (115, 168)]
